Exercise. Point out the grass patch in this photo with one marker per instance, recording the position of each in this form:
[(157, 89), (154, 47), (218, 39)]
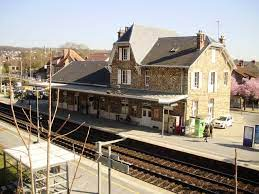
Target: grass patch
[(11, 173)]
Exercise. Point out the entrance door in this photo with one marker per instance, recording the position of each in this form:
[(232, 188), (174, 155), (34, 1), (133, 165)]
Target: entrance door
[(76, 103), (146, 117)]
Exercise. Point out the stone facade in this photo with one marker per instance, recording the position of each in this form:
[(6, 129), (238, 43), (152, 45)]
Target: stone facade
[(164, 79), (221, 95)]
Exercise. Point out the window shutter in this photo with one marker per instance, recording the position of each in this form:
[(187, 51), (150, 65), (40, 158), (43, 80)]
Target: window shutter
[(120, 54), (128, 53), (119, 76), (209, 85), (200, 79), (128, 77), (216, 80), (192, 80)]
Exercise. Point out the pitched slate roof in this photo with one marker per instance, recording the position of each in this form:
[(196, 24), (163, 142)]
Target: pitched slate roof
[(174, 51), (84, 72), (142, 38)]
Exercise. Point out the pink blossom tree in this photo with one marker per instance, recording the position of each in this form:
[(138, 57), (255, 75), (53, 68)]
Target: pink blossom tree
[(249, 89)]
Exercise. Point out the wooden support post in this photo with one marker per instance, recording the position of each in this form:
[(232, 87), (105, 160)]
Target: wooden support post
[(163, 122)]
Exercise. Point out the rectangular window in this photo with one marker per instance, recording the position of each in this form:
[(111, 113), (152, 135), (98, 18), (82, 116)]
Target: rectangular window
[(194, 108), (147, 78), (124, 53), (211, 108), (124, 107), (212, 78), (124, 76), (225, 78), (196, 79), (213, 55)]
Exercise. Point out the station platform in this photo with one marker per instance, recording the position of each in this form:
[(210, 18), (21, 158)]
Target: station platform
[(221, 147)]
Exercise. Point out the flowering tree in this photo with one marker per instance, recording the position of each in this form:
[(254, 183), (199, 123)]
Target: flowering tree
[(249, 89)]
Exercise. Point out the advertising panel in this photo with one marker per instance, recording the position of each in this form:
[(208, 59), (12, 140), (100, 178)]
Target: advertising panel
[(248, 139), (256, 134)]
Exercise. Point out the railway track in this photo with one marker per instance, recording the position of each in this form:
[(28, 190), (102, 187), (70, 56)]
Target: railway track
[(168, 173)]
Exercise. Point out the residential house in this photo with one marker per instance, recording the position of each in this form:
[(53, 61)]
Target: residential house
[(98, 56), (58, 62), (243, 70), (159, 80)]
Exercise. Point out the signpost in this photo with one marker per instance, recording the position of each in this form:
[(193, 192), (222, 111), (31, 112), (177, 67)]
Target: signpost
[(256, 138), (248, 138)]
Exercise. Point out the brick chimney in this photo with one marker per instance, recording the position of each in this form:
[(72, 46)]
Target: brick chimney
[(200, 40), (222, 40), (253, 62), (120, 33)]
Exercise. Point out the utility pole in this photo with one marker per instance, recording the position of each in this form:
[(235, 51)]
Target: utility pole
[(236, 171), (30, 62), (38, 118), (218, 27), (109, 169)]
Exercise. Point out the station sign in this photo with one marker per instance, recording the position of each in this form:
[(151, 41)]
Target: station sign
[(248, 138)]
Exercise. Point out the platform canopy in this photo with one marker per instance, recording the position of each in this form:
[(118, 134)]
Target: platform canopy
[(160, 97), (39, 155)]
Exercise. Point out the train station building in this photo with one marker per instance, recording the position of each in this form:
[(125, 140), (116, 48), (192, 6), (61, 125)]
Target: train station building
[(154, 78)]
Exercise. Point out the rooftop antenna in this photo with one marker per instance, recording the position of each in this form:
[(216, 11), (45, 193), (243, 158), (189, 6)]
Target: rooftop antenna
[(218, 27)]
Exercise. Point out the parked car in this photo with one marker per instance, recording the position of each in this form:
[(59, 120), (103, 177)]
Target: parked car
[(223, 122)]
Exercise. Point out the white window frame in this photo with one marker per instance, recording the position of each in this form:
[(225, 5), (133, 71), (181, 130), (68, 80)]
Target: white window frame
[(212, 83), (196, 79), (124, 77), (147, 78), (213, 55), (211, 106), (124, 53), (195, 108)]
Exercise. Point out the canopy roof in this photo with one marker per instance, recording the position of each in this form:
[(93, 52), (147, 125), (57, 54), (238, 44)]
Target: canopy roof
[(39, 155), (160, 97)]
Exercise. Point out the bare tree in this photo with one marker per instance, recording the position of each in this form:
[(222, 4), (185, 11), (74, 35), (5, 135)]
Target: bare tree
[(51, 136), (22, 138)]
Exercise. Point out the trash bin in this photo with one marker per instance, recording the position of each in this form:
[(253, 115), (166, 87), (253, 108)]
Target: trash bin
[(199, 127)]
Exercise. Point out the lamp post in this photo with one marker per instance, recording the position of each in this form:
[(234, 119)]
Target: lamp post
[(38, 119)]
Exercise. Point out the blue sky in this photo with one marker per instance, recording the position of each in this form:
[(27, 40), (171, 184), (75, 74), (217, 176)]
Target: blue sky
[(95, 23)]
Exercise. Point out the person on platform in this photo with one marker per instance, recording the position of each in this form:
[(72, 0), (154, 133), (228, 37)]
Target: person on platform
[(206, 133), (211, 130)]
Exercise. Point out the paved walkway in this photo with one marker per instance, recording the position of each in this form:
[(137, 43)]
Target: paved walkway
[(86, 178), (221, 147)]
